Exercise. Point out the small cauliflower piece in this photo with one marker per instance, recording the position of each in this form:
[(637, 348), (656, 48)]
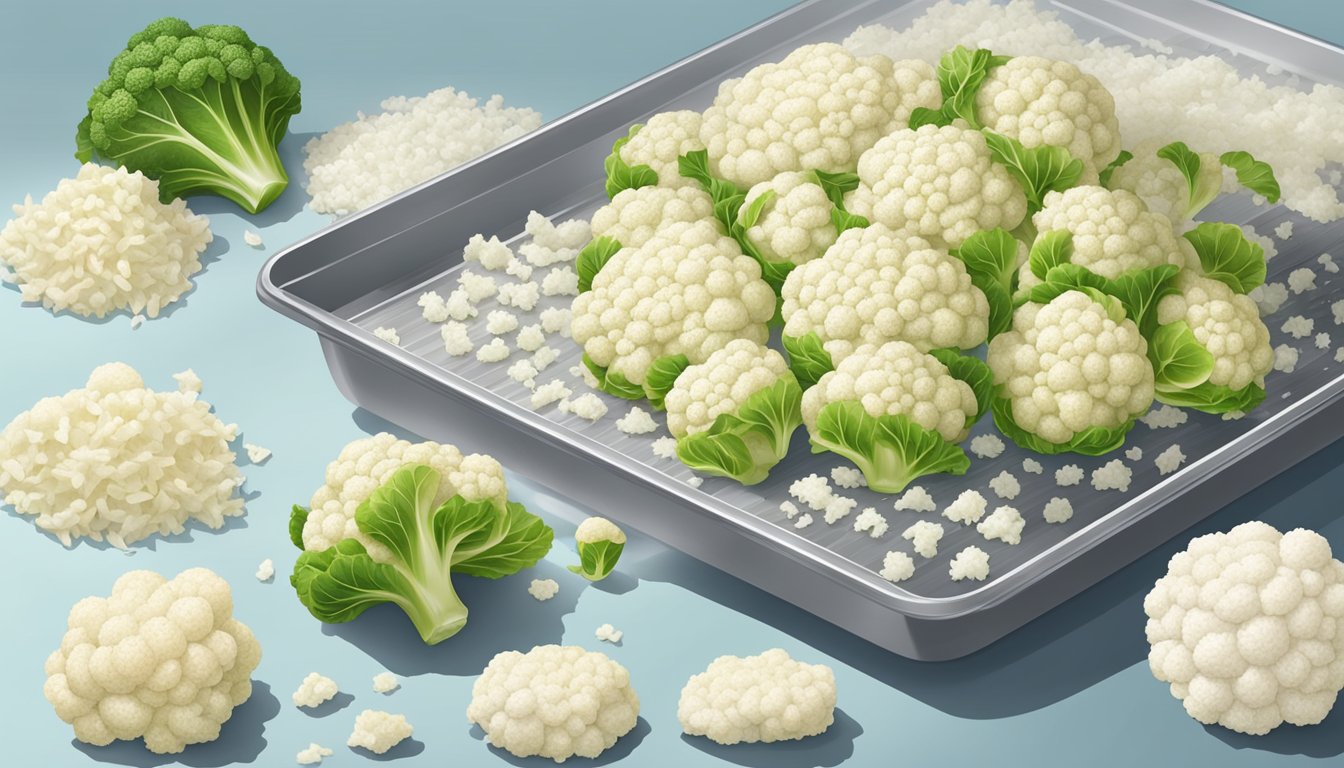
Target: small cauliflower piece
[(608, 634), (987, 446), (793, 223), (967, 508), (523, 296), (530, 338), (385, 682), (1004, 524), (587, 406), (1302, 280), (915, 499), (636, 421), (551, 392), (838, 508), (456, 342), (1058, 510), (1285, 358), (252, 239), (1298, 327), (1134, 453), (477, 287), (1114, 475), (500, 322), (542, 590), (897, 567), (1005, 485), (554, 701), (315, 690), (312, 754), (924, 535), (490, 254), (459, 306), (1164, 417), (1169, 460), (661, 141), (872, 522), (847, 477), (970, 563), (524, 372), (765, 698), (1284, 230), (555, 320), (520, 269), (266, 570), (665, 447), (1269, 297), (813, 490), (388, 334), (1032, 466), (379, 731), (634, 215), (561, 281), (565, 235), (495, 352), (256, 454), (789, 509), (188, 381), (803, 521)]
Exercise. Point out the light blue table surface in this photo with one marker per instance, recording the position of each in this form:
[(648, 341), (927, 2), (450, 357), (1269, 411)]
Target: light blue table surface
[(1072, 688)]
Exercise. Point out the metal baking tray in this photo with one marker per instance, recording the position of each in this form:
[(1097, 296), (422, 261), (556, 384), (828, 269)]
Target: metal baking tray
[(368, 270)]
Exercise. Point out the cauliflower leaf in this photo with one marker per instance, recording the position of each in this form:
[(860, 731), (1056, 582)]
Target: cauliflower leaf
[(747, 443), (613, 382), (1227, 256), (1200, 188), (620, 175), (1181, 368), (808, 359), (1093, 441), (727, 197), (1255, 175), (593, 258), (990, 257), (662, 375), (891, 450), (1039, 170), (961, 71), (1104, 178)]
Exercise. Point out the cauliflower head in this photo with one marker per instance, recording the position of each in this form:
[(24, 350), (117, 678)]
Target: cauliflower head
[(1161, 185), (368, 463), (554, 701), (876, 285), (159, 659), (765, 698), (818, 109), (721, 384), (634, 215), (794, 224), (1225, 323), (1248, 628), (661, 141), (1073, 373), (1044, 102), (688, 291), (938, 182)]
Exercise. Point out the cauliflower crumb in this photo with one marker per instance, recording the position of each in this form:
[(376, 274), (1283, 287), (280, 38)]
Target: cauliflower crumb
[(523, 296), (1298, 327), (456, 342), (969, 563), (524, 372), (1058, 510), (1134, 453), (812, 490), (1069, 474), (637, 422), (789, 509), (188, 381), (1269, 297), (256, 454), (695, 481), (432, 307), (477, 287), (556, 320), (1285, 358), (379, 731), (1322, 340), (1328, 263), (252, 238), (543, 589), (1164, 417), (494, 352), (313, 754), (1005, 485), (1169, 460), (915, 499), (540, 256), (924, 535), (848, 477), (561, 281), (968, 508), (803, 522), (609, 634), (1337, 309), (137, 319), (1302, 280), (500, 322), (872, 521), (897, 567), (543, 357), (567, 235), (588, 406), (1114, 475), (1284, 230), (314, 691), (459, 306), (1233, 415), (665, 447), (266, 570), (530, 338), (765, 698), (519, 269), (987, 446), (1004, 524), (385, 682), (1339, 355), (838, 507), (1032, 466), (388, 334), (551, 392), (490, 254)]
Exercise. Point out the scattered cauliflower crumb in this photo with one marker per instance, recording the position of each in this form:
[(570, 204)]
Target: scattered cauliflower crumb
[(1339, 355), (500, 322), (315, 690), (1269, 297), (459, 306), (524, 296), (456, 342), (897, 567), (1298, 327), (636, 422), (252, 238), (987, 446), (1164, 417), (1337, 309), (490, 254), (188, 381), (266, 570), (915, 499), (1114, 475), (813, 490), (589, 406), (609, 634), (1285, 358), (665, 447), (1004, 524), (519, 269), (803, 521), (551, 392), (530, 338), (695, 481), (256, 454), (848, 477), (379, 731), (567, 235), (432, 307), (1284, 230), (1233, 415), (1005, 485), (789, 509), (1032, 466), (494, 352), (969, 563), (837, 508), (1169, 460), (385, 682), (137, 320), (477, 287), (1134, 453), (561, 281), (1058, 510), (1301, 280), (1069, 474), (388, 334), (556, 320), (1328, 263), (524, 372), (1322, 340), (924, 535), (872, 521), (313, 754), (968, 508), (543, 589)]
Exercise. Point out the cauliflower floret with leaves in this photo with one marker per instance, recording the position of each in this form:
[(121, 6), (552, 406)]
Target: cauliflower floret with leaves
[(875, 285), (794, 223), (688, 291), (1161, 185), (158, 659), (661, 141), (366, 464), (1248, 628), (1226, 324), (765, 698), (1071, 374), (1042, 102), (818, 109), (726, 380), (938, 182), (634, 215)]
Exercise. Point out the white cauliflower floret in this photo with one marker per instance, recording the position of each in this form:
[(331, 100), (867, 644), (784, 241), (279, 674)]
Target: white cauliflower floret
[(1068, 365), (634, 215), (1248, 628), (554, 701), (315, 690), (366, 464), (688, 290), (1043, 102), (379, 731), (1225, 323), (721, 385), (896, 378), (158, 659), (765, 698), (818, 109), (795, 225), (661, 141), (938, 182), (874, 285), (1159, 182)]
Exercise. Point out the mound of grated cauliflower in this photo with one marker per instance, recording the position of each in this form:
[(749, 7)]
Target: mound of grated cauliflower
[(765, 698)]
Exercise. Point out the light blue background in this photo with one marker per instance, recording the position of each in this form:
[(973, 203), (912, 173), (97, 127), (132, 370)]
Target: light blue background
[(1072, 688)]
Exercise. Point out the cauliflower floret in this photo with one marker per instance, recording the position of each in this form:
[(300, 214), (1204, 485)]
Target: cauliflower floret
[(554, 701), (661, 141), (158, 659), (688, 290), (1068, 365), (1004, 524), (315, 690), (896, 378), (1043, 102), (1225, 323), (818, 109), (1161, 185), (875, 285), (969, 563), (721, 385), (1248, 628), (795, 225), (366, 464), (938, 182), (379, 731), (634, 215), (925, 536), (765, 698)]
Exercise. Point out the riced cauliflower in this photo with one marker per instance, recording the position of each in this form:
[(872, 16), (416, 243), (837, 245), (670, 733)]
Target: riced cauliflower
[(313, 754), (1169, 460), (765, 698), (872, 522), (315, 690), (1004, 524), (385, 682), (1114, 475), (897, 567), (967, 508), (634, 215), (542, 590), (970, 563), (793, 223), (818, 109), (915, 499), (661, 141), (937, 182), (158, 659), (1005, 485), (1058, 510), (924, 535), (1069, 474), (379, 731), (1248, 628), (554, 701), (987, 446)]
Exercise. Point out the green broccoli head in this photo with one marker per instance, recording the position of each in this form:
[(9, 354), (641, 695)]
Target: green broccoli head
[(201, 110)]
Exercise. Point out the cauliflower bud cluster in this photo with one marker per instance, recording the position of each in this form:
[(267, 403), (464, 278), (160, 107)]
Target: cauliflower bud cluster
[(159, 659), (794, 224), (1248, 628), (1225, 323), (721, 384), (634, 215), (818, 109), (765, 698), (661, 141), (1161, 185)]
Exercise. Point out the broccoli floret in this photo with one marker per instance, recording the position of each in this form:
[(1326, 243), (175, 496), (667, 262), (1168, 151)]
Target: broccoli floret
[(201, 110)]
